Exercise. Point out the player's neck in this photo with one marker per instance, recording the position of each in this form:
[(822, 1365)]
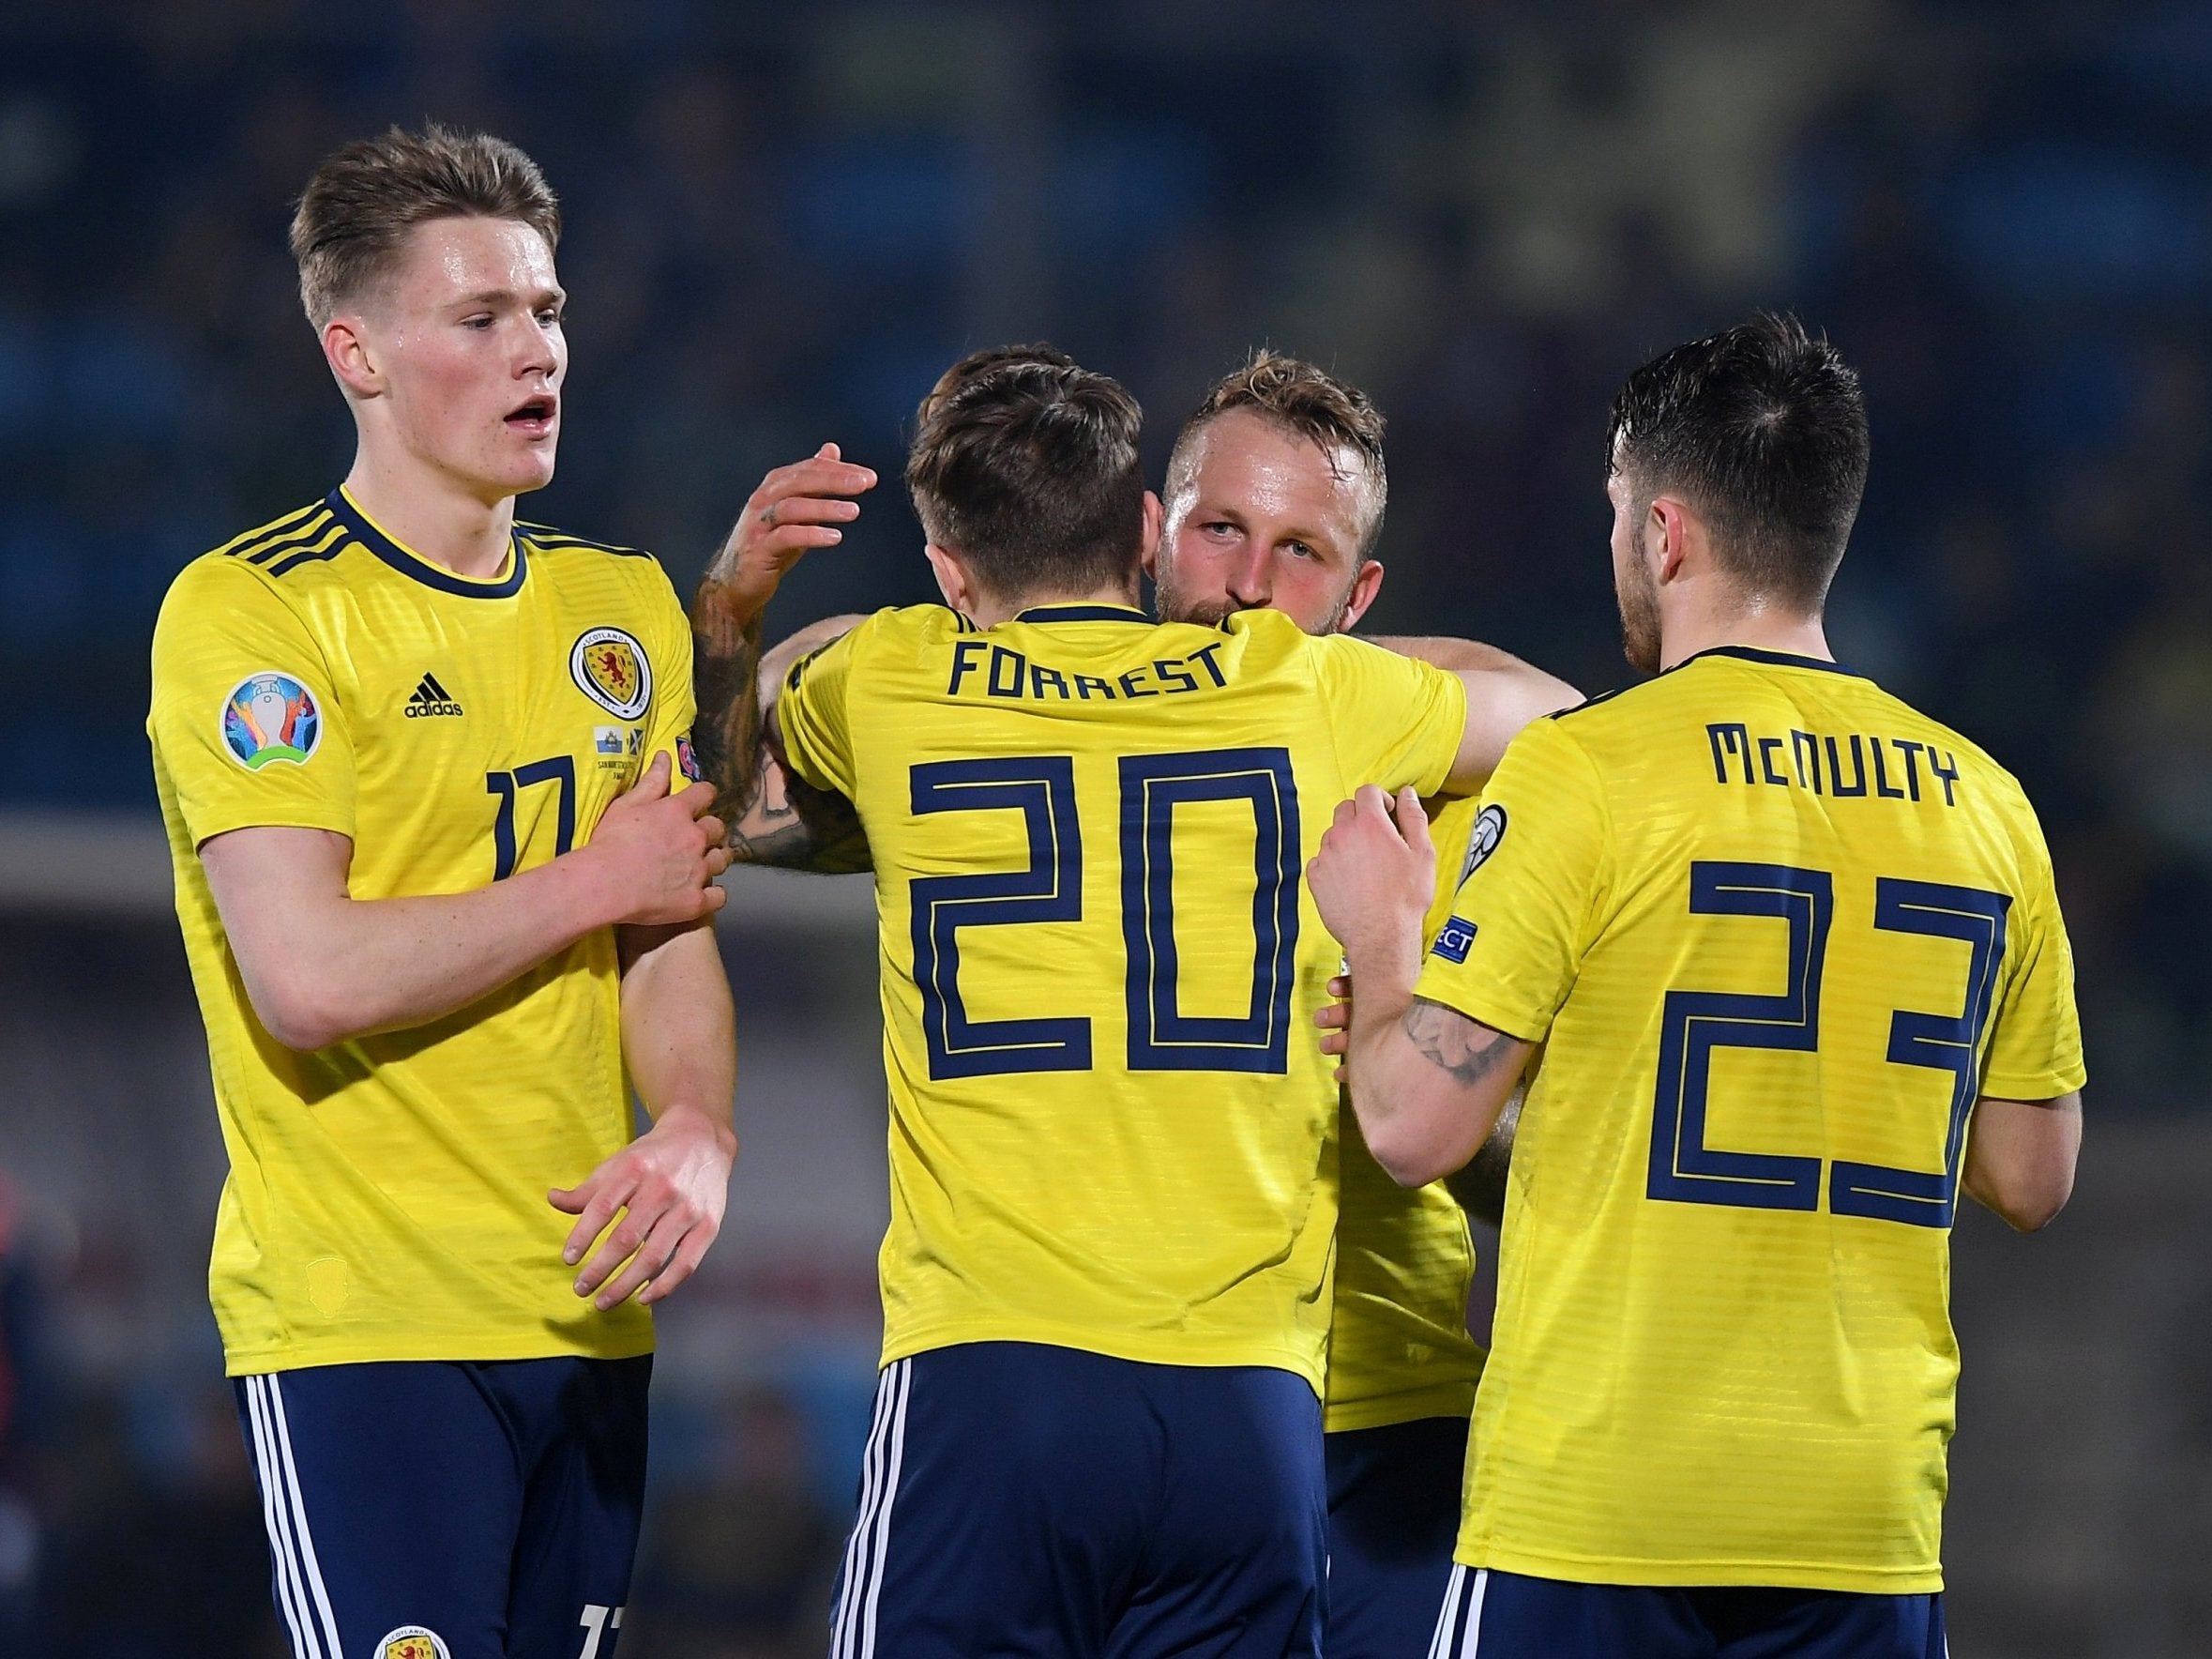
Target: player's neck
[(989, 612), (1765, 630), (432, 517)]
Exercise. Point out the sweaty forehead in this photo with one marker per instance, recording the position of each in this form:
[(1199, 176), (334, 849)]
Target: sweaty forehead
[(1250, 463), (454, 257)]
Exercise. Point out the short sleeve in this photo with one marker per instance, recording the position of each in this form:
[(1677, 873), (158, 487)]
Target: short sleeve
[(811, 714), (2035, 1051), (1534, 870), (1398, 720), (675, 701), (245, 718)]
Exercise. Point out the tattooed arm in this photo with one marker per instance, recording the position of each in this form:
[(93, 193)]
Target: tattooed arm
[(1429, 1086), (775, 816), (1428, 1083)]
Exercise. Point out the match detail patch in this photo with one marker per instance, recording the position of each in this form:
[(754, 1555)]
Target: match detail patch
[(1482, 841), (610, 668), (270, 717), (1453, 940)]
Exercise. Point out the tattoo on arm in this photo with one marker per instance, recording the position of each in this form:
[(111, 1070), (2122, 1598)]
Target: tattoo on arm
[(725, 666), (1447, 1037), (791, 823)]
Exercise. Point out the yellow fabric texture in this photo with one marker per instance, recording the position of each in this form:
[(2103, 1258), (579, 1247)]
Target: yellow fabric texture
[(1776, 930), (387, 1199), (1399, 1349), (1112, 1125)]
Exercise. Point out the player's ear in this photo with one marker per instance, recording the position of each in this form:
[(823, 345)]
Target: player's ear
[(1666, 537), (1365, 586), (345, 348), (1148, 549), (953, 581)]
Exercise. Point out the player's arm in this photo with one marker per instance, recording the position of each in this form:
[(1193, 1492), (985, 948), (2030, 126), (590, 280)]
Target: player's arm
[(2020, 1157), (788, 822), (321, 965), (1428, 1083), (1504, 694), (795, 510), (660, 1200), (1480, 1184)]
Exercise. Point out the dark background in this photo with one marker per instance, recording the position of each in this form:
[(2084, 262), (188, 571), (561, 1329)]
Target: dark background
[(781, 223)]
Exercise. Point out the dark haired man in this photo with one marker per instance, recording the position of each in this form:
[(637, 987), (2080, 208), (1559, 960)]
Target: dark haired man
[(1784, 942), (415, 761), (1275, 496), (1098, 1429)]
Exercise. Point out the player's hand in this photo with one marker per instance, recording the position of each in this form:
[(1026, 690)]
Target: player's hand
[(660, 852), (669, 1187), (1334, 1020), (797, 509), (1373, 878)]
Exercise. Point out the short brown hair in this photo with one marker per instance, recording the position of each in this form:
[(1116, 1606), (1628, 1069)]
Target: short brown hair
[(354, 216), (1028, 469), (1303, 400), (989, 358)]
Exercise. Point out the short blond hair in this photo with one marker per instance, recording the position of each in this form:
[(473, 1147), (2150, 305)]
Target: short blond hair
[(354, 216), (1303, 400)]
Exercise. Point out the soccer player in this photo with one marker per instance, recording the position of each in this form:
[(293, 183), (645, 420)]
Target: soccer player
[(1275, 498), (1097, 1427), (1793, 956), (415, 763)]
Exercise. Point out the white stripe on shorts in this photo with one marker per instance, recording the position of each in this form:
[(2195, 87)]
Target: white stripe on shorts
[(290, 1594), (299, 1523), (883, 1526), (1471, 1638), (1458, 1627), (853, 1631)]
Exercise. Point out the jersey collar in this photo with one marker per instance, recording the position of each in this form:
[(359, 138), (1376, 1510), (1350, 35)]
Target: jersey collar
[(1083, 614), (366, 531), (1774, 658)]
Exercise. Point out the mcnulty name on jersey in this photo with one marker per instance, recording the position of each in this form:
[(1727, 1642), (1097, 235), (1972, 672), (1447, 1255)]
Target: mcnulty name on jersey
[(1886, 767)]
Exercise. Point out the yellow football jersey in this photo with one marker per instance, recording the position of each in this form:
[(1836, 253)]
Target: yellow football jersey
[(387, 1199), (1397, 1346), (1778, 931), (1113, 1127)]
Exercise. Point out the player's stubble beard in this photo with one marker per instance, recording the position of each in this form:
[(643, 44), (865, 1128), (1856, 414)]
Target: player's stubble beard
[(1171, 606), (1637, 594)]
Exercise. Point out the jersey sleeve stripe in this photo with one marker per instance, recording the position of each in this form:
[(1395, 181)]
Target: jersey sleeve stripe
[(258, 551), (547, 537), (276, 529)]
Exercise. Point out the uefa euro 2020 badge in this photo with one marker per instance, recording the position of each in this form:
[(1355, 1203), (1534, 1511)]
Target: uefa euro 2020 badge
[(271, 716), (411, 1642)]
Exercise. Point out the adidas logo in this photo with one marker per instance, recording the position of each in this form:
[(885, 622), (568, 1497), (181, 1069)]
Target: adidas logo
[(431, 698)]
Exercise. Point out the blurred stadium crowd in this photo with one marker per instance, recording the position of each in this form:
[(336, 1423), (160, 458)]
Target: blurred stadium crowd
[(782, 221)]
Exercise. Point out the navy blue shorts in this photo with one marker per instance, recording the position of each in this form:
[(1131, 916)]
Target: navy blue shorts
[(1393, 1518), (1492, 1615), (425, 1510), (1019, 1499)]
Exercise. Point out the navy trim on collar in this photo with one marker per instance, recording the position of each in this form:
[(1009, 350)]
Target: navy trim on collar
[(1776, 659), (1083, 614), (422, 570)]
